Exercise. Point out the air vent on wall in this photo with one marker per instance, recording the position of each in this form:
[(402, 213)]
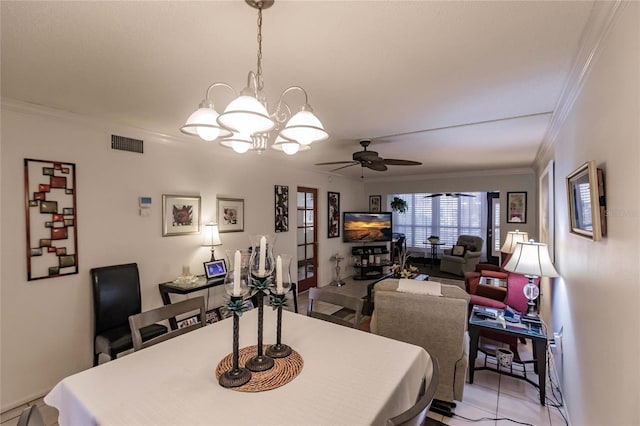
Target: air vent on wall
[(126, 144)]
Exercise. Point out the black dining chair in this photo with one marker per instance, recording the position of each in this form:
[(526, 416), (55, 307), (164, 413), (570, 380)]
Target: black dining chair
[(116, 296), (417, 414)]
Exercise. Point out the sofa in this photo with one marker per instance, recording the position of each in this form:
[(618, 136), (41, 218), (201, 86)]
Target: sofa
[(459, 264), (436, 323)]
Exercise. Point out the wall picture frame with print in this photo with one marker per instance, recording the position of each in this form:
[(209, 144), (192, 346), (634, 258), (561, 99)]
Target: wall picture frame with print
[(333, 207), (180, 214), (375, 203), (281, 207), (516, 207), (230, 214)]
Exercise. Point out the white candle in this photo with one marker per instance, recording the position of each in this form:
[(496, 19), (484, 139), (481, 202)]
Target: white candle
[(263, 255), (279, 288), (237, 266)]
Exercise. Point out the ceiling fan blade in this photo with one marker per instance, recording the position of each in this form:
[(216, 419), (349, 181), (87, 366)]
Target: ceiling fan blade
[(336, 162), (433, 195), (394, 162), (464, 195), (375, 165), (344, 167)]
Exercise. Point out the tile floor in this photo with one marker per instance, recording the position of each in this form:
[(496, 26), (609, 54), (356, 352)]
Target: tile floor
[(490, 397)]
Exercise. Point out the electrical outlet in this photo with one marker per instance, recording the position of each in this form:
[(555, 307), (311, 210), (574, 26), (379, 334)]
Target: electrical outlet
[(556, 344)]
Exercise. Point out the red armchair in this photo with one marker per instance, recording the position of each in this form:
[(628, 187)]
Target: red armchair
[(499, 298)]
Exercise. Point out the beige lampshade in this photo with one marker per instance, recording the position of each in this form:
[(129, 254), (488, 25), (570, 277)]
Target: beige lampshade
[(211, 235), (513, 238), (531, 258)]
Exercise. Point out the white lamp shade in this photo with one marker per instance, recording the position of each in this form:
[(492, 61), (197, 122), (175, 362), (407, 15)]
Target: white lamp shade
[(304, 128), (531, 258), (238, 142), (211, 236), (203, 123), (513, 238), (246, 115), (289, 147)]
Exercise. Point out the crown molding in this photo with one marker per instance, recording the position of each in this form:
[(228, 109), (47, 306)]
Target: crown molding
[(600, 22), (453, 175), (98, 124)]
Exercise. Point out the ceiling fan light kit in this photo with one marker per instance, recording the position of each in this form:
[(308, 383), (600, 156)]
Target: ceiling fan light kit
[(246, 124)]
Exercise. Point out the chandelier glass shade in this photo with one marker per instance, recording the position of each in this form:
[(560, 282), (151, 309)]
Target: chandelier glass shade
[(246, 124)]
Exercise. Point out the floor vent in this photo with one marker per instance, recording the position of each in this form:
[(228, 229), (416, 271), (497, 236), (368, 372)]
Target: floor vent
[(126, 144)]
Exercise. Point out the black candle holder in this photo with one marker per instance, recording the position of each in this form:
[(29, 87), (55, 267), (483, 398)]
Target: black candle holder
[(279, 350), (260, 362), (236, 376)]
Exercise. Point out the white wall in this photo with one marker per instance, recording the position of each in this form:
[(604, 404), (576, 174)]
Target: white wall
[(47, 324), (596, 298)]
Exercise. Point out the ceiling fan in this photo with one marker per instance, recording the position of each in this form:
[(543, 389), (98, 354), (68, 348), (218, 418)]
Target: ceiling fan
[(449, 194), (370, 160)]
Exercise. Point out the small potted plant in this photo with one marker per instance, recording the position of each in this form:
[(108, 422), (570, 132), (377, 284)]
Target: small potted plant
[(433, 239), (399, 205)]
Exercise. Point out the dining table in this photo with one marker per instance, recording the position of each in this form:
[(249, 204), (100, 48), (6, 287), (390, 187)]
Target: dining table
[(348, 377)]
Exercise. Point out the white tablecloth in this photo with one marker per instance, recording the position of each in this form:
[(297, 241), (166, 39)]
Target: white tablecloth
[(349, 378)]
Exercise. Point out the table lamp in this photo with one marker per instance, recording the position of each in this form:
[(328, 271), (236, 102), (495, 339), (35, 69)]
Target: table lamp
[(532, 260), (211, 238), (513, 238)]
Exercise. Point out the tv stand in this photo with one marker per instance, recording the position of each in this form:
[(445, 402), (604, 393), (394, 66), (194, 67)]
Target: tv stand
[(371, 261)]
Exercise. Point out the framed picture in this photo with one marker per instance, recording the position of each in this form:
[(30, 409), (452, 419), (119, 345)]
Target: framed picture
[(585, 191), (546, 226), (215, 269), (375, 201), (230, 214), (180, 215), (188, 321), (516, 207), (281, 203), (212, 315), (333, 203), (50, 208)]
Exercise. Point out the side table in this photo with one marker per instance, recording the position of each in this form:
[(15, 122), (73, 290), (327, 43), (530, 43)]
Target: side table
[(528, 331), (434, 251)]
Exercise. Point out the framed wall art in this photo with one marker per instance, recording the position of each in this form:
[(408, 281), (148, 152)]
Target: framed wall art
[(546, 226), (281, 203), (333, 203), (375, 203), (180, 215), (516, 207), (51, 217), (585, 193), (230, 214)]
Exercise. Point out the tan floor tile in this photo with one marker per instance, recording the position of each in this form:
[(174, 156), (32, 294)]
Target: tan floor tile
[(556, 418), (11, 422), (519, 388), (521, 410), (487, 379), (470, 412), (481, 397)]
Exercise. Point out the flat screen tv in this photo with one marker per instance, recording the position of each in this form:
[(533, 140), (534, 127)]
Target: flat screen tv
[(366, 227)]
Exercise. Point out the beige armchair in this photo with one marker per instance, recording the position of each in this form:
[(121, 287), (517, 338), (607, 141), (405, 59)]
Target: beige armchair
[(436, 323), (460, 264)]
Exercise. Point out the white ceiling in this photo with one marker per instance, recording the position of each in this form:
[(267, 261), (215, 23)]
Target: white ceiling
[(468, 85)]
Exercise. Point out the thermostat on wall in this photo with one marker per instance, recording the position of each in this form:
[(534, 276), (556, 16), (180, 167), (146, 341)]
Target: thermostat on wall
[(145, 206)]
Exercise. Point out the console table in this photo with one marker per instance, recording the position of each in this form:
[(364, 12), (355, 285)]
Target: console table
[(535, 332), (170, 287)]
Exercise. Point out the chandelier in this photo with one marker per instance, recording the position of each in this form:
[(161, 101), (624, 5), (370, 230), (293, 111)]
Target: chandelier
[(246, 124)]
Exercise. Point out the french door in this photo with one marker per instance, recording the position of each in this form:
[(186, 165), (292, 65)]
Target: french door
[(307, 237)]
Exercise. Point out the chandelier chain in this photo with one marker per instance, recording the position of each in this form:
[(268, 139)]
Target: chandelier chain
[(259, 70)]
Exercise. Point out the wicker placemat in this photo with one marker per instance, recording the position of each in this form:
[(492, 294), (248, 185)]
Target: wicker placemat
[(283, 371)]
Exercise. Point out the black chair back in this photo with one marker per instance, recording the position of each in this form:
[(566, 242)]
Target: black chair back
[(116, 295)]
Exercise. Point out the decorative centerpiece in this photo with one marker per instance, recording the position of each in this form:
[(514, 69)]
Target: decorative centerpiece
[(434, 239), (261, 279), (278, 301), (236, 284), (403, 269)]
